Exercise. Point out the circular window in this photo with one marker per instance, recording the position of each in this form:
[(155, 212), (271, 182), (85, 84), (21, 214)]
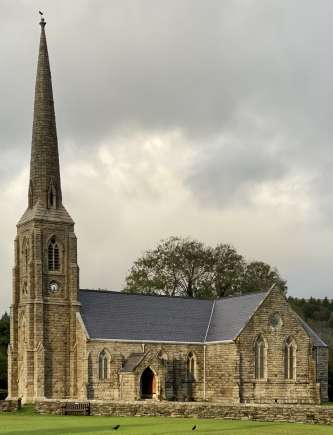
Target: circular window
[(276, 321), (54, 287)]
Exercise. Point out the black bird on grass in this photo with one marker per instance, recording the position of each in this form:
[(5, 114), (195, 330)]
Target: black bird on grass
[(116, 427), (194, 427)]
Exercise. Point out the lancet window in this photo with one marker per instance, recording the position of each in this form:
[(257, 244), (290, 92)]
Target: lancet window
[(290, 359), (53, 252), (103, 365), (260, 358), (191, 366), (25, 255)]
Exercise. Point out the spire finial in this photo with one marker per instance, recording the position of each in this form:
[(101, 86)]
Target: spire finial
[(42, 20)]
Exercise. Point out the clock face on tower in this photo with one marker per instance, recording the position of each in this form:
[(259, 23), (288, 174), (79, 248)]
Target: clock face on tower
[(53, 287)]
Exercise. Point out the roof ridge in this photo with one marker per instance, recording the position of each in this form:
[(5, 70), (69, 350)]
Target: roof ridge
[(243, 294), (142, 294), (172, 297)]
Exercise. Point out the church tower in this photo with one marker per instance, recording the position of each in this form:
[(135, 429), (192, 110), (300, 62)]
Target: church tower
[(42, 351)]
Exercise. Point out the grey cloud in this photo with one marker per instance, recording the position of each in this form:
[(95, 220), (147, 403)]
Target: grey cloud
[(226, 172), (247, 83)]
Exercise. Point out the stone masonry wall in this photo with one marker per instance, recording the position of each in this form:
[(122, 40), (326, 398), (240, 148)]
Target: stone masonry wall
[(173, 382), (225, 372), (275, 388), (322, 372), (8, 405), (299, 413), (41, 362), (222, 373)]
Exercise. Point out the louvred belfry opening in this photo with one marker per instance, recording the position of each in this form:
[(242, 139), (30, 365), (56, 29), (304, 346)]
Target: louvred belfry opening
[(53, 255)]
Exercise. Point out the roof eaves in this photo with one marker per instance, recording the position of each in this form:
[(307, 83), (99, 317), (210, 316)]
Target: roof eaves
[(124, 340), (311, 332), (79, 318), (219, 342)]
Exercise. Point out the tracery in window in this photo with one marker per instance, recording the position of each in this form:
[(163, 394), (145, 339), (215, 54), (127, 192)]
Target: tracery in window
[(53, 255), (191, 366), (260, 358), (103, 365), (290, 359)]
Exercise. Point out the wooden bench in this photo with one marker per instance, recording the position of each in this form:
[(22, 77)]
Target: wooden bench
[(76, 408)]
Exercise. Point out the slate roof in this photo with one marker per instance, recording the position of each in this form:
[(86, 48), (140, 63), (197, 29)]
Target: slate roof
[(316, 340), (230, 315), (132, 362), (114, 315), (109, 315)]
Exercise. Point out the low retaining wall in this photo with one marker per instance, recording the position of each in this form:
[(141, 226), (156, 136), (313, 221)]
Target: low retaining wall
[(8, 405), (297, 413)]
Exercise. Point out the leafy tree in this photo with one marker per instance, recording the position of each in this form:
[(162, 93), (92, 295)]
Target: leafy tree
[(184, 267), (177, 267), (228, 271), (260, 276)]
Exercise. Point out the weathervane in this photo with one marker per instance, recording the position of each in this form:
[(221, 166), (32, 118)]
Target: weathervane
[(42, 21)]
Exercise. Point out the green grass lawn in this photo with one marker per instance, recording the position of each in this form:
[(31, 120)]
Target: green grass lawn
[(25, 422)]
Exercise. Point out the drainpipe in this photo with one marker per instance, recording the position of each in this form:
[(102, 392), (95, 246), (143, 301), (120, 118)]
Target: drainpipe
[(204, 374), (205, 340)]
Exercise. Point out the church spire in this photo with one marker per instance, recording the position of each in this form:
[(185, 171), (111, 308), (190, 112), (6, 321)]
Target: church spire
[(45, 184)]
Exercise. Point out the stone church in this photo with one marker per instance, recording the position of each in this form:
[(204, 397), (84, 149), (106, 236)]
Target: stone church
[(72, 343)]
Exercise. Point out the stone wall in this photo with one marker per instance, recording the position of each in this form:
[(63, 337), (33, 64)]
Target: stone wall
[(169, 364), (322, 356), (299, 413), (222, 373), (8, 405), (225, 372), (275, 388), (42, 350)]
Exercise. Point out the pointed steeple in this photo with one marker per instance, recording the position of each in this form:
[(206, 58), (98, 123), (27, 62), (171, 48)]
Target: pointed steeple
[(45, 183)]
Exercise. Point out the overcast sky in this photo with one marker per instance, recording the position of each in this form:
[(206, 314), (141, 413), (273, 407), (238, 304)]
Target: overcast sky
[(210, 119)]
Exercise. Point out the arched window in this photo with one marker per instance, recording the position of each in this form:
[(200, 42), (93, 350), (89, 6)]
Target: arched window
[(24, 289), (260, 358), (103, 365), (290, 358), (25, 254), (53, 255), (26, 257), (191, 366)]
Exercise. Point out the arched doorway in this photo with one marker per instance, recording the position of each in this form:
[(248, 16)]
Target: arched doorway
[(148, 384)]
